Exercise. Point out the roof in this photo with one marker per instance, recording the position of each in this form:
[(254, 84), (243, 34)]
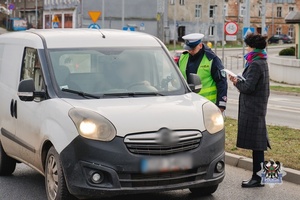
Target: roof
[(293, 17), (80, 38)]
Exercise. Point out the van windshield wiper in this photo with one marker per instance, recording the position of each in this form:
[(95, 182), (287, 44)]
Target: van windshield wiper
[(80, 93), (132, 94)]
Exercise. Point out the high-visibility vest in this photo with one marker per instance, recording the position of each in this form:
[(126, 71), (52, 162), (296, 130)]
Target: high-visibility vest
[(209, 88)]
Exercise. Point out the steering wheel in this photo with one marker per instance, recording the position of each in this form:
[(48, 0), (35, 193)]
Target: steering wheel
[(142, 83), (143, 86)]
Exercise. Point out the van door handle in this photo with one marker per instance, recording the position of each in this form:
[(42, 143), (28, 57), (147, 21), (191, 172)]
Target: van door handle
[(15, 109), (12, 108)]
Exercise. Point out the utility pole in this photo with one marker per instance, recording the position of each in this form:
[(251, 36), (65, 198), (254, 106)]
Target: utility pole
[(103, 13), (123, 13), (36, 14), (223, 25), (215, 27), (273, 18), (174, 18), (246, 23), (263, 18)]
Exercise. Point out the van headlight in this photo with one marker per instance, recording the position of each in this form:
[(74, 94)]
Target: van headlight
[(92, 125), (213, 118)]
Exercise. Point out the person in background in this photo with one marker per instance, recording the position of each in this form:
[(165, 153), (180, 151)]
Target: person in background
[(253, 100), (201, 60)]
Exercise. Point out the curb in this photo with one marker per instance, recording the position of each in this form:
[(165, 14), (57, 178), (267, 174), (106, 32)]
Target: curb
[(292, 176)]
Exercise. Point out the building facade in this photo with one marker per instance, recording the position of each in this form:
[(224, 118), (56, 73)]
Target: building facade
[(200, 16), (61, 14), (275, 13), (29, 10)]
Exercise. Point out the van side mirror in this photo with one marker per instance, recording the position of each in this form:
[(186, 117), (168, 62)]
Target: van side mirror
[(195, 83), (26, 90)]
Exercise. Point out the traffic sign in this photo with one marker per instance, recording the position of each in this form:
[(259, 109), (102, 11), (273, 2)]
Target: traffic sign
[(248, 30), (231, 37), (128, 28), (94, 15), (55, 19), (94, 26), (231, 28), (142, 26), (55, 24), (11, 6)]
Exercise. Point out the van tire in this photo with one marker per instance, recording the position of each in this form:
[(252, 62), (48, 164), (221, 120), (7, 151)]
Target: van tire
[(7, 164), (56, 187), (204, 191)]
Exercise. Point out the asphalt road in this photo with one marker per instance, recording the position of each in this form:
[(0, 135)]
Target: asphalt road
[(283, 110), (26, 184)]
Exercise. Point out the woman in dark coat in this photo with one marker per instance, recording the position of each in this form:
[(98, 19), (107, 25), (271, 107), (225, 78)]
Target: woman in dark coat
[(253, 100)]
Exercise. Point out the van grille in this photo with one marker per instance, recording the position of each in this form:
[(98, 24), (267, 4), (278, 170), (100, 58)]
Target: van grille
[(161, 179), (163, 142)]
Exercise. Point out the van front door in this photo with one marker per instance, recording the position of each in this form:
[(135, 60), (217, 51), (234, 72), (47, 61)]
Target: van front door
[(29, 113)]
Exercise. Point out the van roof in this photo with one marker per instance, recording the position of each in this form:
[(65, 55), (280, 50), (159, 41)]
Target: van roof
[(81, 38)]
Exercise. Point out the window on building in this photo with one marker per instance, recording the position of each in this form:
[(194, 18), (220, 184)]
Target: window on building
[(291, 31), (48, 21), (291, 9), (172, 2), (181, 2), (68, 21), (278, 30), (279, 10), (198, 11), (260, 11), (212, 11), (211, 31)]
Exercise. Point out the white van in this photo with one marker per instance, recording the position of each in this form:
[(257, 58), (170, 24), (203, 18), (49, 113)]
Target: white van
[(105, 112)]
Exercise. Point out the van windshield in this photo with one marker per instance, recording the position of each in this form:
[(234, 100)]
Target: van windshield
[(108, 72)]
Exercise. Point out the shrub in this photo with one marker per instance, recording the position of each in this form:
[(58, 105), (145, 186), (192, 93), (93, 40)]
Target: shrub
[(287, 52)]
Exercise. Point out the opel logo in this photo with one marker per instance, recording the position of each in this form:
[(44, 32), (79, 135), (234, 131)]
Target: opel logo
[(166, 137)]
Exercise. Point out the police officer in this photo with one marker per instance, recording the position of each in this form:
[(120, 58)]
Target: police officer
[(201, 60)]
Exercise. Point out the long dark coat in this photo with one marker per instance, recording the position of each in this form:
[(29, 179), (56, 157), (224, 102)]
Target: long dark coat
[(253, 100)]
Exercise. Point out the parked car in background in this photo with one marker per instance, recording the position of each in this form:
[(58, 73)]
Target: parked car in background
[(281, 37), (177, 55)]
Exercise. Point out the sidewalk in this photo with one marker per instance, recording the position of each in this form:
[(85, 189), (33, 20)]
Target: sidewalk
[(292, 175), (2, 30)]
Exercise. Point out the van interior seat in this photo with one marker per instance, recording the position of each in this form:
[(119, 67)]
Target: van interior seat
[(62, 75)]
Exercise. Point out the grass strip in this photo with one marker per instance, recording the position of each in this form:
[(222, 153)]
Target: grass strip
[(285, 144)]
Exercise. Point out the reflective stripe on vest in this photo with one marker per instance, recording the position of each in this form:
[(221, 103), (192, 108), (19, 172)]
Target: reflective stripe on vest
[(209, 88)]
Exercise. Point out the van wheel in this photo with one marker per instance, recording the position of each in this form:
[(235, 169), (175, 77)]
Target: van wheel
[(204, 191), (55, 183), (7, 164)]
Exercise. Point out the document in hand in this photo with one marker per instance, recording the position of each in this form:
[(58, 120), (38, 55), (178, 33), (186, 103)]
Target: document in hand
[(238, 76)]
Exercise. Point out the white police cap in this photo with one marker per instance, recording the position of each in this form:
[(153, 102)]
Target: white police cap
[(192, 40)]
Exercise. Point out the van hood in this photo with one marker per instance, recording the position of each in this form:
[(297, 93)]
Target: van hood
[(147, 114)]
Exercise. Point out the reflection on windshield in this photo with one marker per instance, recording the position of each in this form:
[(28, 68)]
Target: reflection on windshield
[(110, 71)]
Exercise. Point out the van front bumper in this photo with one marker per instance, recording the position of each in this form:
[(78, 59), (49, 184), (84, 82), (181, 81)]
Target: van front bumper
[(120, 170)]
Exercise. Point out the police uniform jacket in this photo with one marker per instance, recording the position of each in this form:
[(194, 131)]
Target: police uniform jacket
[(219, 77)]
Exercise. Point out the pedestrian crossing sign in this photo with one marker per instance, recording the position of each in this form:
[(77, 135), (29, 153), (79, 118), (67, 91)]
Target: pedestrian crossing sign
[(247, 30)]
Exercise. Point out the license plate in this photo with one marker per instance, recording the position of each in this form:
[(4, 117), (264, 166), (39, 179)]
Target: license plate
[(166, 164)]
